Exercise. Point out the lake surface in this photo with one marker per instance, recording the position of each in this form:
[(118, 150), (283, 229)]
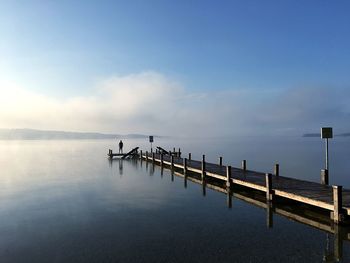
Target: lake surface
[(64, 201)]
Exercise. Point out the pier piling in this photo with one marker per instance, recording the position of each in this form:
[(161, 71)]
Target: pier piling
[(268, 180), (324, 177), (244, 165), (203, 167), (338, 203), (277, 169), (185, 166), (172, 162), (228, 176)]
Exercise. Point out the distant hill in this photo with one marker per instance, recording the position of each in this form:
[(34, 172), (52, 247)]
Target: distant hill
[(31, 134), (312, 135), (319, 135), (345, 134)]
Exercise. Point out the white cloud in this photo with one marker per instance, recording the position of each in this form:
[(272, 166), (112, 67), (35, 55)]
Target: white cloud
[(150, 102)]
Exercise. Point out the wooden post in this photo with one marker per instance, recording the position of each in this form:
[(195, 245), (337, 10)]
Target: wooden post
[(174, 150), (203, 167), (244, 165), (324, 177), (277, 169), (141, 155), (172, 162), (338, 203), (228, 176), (161, 159), (189, 156), (153, 157), (179, 152), (268, 180), (146, 155), (185, 166), (220, 160)]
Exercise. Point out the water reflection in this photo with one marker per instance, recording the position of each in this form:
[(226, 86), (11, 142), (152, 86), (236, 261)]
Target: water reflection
[(229, 197), (300, 214)]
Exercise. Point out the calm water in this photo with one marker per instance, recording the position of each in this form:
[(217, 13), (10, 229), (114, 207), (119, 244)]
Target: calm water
[(63, 201)]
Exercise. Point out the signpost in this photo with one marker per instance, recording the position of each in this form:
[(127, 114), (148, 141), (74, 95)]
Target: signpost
[(151, 141), (327, 133)]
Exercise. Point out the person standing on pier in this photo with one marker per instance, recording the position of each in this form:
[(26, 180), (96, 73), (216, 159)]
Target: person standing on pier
[(121, 146)]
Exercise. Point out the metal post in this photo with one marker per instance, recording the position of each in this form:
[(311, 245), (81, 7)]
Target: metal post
[(324, 177)]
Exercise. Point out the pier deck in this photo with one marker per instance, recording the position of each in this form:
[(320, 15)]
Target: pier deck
[(310, 193)]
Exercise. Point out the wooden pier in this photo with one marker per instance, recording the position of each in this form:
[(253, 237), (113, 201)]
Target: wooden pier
[(131, 154), (334, 199)]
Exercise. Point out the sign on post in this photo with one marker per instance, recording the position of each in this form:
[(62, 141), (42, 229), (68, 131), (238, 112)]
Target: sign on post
[(326, 133), (151, 141)]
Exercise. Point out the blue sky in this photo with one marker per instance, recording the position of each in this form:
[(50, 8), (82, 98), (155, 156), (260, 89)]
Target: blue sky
[(64, 50)]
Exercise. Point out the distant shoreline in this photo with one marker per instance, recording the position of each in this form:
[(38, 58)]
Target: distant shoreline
[(318, 135), (31, 134)]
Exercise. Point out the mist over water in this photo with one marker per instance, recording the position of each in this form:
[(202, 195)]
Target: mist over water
[(63, 201)]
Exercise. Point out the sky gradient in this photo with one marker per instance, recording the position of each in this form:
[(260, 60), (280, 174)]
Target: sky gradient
[(175, 67)]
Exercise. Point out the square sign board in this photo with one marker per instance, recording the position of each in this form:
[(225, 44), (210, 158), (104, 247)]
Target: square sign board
[(326, 133), (150, 138)]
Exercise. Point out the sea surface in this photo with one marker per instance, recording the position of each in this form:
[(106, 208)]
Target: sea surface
[(64, 201)]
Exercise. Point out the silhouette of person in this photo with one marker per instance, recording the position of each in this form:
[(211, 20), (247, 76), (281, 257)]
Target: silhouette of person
[(121, 146)]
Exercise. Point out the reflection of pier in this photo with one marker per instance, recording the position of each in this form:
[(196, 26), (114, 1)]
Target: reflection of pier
[(300, 200), (291, 209), (335, 234)]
